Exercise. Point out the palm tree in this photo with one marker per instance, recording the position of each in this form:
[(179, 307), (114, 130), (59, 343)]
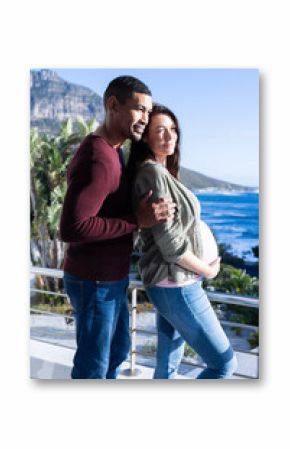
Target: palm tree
[(50, 157)]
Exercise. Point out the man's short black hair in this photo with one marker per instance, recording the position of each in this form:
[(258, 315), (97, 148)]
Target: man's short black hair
[(123, 87)]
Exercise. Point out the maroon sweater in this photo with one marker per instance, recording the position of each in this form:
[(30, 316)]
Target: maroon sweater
[(97, 219)]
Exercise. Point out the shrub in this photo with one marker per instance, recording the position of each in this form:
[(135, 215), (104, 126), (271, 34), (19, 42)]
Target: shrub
[(254, 340)]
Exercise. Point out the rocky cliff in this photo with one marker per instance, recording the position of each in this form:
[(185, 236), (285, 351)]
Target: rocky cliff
[(53, 99)]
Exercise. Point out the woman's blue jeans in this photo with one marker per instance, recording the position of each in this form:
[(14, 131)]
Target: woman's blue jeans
[(102, 326), (184, 314)]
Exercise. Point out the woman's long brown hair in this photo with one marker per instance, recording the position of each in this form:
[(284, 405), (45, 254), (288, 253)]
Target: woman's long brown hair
[(140, 151)]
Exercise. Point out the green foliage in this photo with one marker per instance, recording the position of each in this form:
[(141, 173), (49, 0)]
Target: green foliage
[(188, 351), (149, 348), (50, 157), (243, 315), (237, 330), (85, 128), (63, 309), (49, 160), (254, 340), (144, 307), (234, 280)]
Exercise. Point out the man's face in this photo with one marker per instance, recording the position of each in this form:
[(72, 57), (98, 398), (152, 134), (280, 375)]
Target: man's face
[(133, 116)]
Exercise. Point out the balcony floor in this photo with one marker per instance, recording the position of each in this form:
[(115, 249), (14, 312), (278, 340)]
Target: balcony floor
[(52, 348), (52, 362)]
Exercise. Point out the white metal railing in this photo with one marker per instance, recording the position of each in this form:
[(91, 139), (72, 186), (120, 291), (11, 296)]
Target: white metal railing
[(134, 286)]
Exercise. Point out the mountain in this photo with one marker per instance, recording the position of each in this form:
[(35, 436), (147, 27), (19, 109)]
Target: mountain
[(199, 182), (53, 99)]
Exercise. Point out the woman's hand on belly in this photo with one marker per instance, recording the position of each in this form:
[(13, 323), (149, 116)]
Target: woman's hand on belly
[(198, 266), (215, 266)]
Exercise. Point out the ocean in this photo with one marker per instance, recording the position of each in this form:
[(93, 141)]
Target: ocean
[(234, 220)]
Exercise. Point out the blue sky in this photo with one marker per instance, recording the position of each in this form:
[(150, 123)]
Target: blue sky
[(218, 111)]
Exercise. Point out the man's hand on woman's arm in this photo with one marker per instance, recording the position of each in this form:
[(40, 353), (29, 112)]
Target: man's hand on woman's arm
[(149, 214)]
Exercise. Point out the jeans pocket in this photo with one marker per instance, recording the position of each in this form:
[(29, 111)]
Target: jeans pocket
[(110, 291)]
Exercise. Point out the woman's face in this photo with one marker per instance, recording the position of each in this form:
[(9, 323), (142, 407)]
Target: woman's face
[(161, 137)]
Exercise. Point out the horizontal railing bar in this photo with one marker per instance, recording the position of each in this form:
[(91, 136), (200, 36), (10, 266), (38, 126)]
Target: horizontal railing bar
[(49, 272), (224, 323), (46, 312), (222, 297), (37, 290), (239, 325), (240, 350), (244, 351), (226, 298), (145, 331)]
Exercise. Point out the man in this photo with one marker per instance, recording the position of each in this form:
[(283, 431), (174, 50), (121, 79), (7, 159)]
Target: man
[(98, 223)]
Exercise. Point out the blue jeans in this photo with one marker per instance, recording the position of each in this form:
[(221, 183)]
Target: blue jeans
[(102, 326), (185, 314)]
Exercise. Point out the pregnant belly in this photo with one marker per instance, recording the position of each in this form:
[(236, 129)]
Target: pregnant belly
[(210, 248)]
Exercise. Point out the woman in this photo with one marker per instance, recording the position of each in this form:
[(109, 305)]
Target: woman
[(176, 256)]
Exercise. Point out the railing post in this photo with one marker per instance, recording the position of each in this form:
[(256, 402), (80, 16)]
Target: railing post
[(133, 331), (133, 371)]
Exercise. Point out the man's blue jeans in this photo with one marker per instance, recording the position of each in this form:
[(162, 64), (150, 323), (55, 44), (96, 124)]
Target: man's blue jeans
[(185, 314), (102, 326)]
